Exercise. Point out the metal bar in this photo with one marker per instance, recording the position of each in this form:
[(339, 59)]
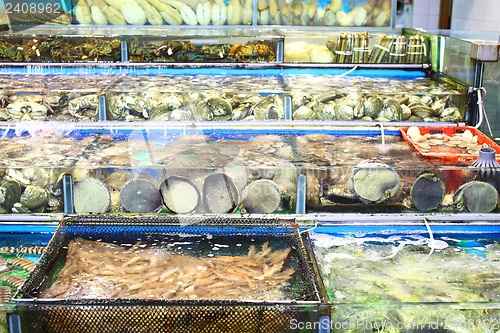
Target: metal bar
[(120, 67), (28, 227), (27, 218), (478, 83), (400, 219)]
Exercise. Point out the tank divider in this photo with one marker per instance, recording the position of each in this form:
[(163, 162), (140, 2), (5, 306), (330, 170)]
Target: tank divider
[(68, 194), (124, 49), (101, 108), (300, 208), (288, 108)]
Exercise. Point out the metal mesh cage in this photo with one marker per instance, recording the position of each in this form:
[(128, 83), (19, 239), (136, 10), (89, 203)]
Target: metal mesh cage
[(177, 315)]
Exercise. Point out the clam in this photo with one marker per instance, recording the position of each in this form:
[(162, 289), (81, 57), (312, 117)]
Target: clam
[(440, 104), (269, 107), (328, 97), (115, 109), (181, 114), (219, 106), (344, 111), (203, 111), (304, 113), (359, 110), (451, 114), (415, 119), (10, 192), (34, 197), (160, 113), (373, 105), (298, 100), (353, 99), (392, 110), (421, 110), (426, 99), (172, 101), (406, 112), (241, 112), (325, 111)]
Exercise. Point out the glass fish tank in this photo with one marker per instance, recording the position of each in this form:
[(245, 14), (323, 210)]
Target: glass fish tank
[(362, 173), (57, 48), (200, 95), (42, 97), (205, 46), (400, 97), (151, 170), (211, 170), (410, 279), (355, 47), (190, 96)]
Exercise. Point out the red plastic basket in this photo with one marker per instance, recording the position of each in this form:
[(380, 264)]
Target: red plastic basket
[(450, 158)]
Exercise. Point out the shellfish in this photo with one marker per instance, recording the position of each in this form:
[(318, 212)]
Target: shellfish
[(34, 197), (269, 107), (84, 107), (21, 110)]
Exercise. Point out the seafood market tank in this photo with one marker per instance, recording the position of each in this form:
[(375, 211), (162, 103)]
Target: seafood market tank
[(262, 137)]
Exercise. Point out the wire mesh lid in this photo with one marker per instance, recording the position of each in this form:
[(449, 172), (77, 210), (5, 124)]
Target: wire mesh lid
[(217, 239)]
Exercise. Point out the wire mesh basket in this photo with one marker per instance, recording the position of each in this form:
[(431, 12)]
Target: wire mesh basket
[(217, 238)]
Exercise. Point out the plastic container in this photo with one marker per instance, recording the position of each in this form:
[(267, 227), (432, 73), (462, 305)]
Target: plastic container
[(447, 156)]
